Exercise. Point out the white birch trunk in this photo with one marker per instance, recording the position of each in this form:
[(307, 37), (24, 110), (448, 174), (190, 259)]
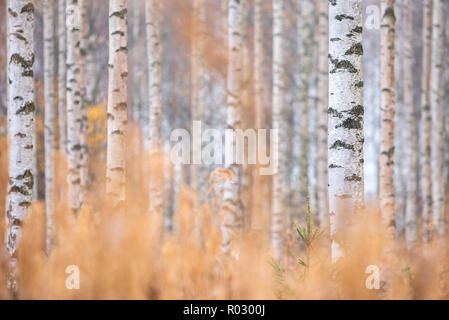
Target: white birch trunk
[(345, 116), (84, 32), (62, 75), (49, 131), (198, 176), (305, 47), (386, 165), (277, 224), (21, 123), (152, 17), (117, 101), (73, 103), (321, 125), (411, 213), (258, 185), (426, 179), (437, 146), (230, 206)]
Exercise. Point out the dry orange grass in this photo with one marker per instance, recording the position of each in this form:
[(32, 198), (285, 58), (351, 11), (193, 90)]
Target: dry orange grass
[(129, 256)]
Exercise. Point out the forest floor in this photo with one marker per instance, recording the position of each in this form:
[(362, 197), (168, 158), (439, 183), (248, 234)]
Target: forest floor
[(129, 256)]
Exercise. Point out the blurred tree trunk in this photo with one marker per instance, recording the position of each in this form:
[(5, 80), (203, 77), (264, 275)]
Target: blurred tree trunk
[(84, 43), (411, 210), (49, 131), (278, 124), (437, 149), (73, 103), (199, 172), (426, 118), (305, 47), (117, 101), (345, 116), (21, 123), (152, 14), (62, 75), (230, 207), (321, 125), (258, 185), (387, 118), (247, 115)]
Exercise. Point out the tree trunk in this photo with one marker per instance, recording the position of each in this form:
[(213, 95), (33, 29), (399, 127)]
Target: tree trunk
[(84, 32), (277, 223), (117, 101), (230, 207), (258, 185), (198, 175), (155, 108), (21, 121), (386, 165), (345, 116), (49, 131), (426, 118), (73, 103), (62, 75), (321, 124), (437, 149), (411, 212), (305, 47)]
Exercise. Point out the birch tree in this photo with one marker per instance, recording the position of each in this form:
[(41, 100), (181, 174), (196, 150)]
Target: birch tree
[(345, 116), (258, 98), (426, 182), (62, 75), (411, 214), (84, 33), (198, 176), (21, 123), (387, 118), (321, 124), (230, 207), (152, 14), (305, 47), (437, 146), (49, 131), (117, 101), (73, 103), (277, 223)]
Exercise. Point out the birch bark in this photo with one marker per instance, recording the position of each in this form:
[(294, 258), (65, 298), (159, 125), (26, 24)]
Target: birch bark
[(21, 123), (230, 207), (73, 103), (321, 125), (49, 131), (277, 223), (436, 103), (84, 33), (152, 14), (411, 214), (117, 101), (426, 180), (345, 116), (386, 165), (305, 47), (62, 75)]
